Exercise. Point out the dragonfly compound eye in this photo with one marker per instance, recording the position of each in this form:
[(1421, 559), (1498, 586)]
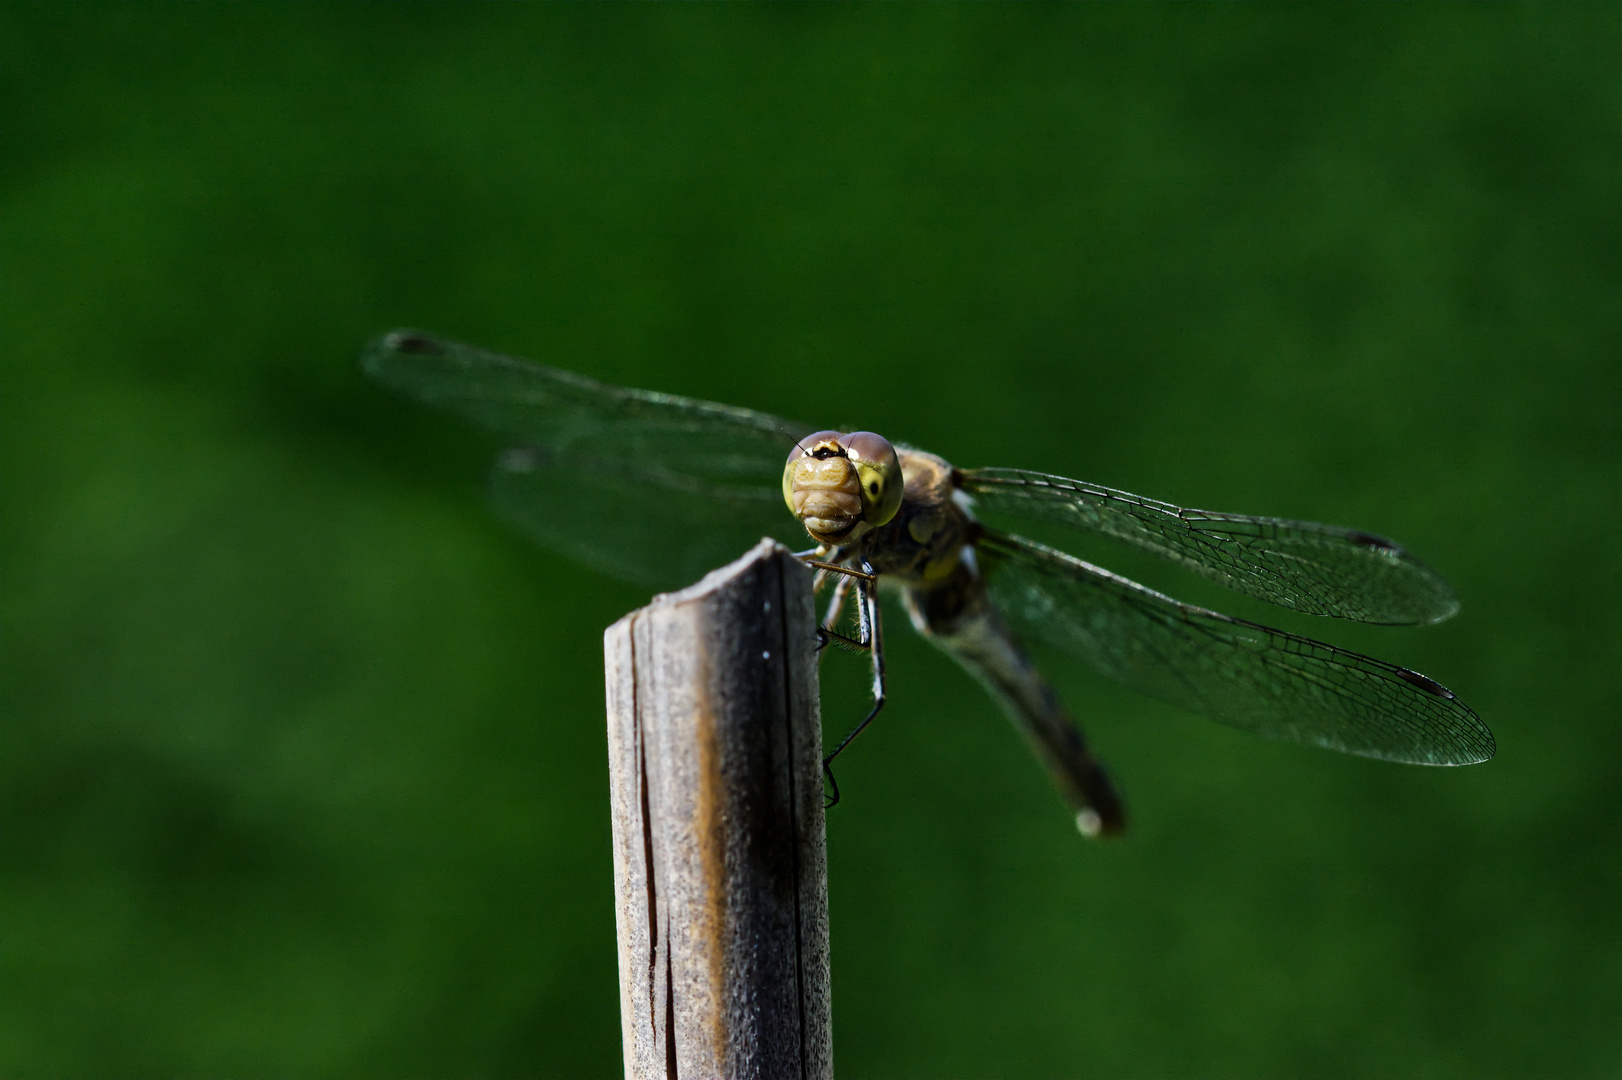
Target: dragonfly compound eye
[(880, 472)]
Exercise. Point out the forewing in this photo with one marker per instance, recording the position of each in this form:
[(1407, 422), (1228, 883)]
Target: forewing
[(661, 530), (567, 414), (651, 487), (1319, 569), (1239, 673)]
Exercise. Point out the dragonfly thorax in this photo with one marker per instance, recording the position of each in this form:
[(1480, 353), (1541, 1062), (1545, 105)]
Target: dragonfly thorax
[(842, 486)]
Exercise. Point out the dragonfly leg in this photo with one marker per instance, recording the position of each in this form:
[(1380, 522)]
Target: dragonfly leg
[(836, 603), (834, 568), (826, 637), (813, 557), (825, 630), (867, 614)]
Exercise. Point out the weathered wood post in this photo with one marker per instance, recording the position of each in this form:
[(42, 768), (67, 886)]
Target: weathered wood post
[(720, 866)]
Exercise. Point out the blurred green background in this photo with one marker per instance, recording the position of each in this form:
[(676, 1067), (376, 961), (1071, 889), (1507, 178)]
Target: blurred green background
[(303, 754)]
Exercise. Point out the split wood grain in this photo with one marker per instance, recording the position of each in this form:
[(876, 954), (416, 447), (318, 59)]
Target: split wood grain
[(720, 863)]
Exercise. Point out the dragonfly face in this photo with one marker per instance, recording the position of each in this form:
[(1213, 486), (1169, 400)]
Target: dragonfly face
[(675, 486), (842, 486)]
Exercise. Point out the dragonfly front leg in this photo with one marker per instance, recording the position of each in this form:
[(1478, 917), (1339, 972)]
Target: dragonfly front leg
[(826, 634), (870, 638)]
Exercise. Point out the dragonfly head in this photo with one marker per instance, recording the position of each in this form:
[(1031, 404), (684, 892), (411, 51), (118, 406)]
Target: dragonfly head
[(841, 486)]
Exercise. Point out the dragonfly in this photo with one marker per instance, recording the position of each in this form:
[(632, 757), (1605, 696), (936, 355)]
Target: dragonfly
[(657, 489)]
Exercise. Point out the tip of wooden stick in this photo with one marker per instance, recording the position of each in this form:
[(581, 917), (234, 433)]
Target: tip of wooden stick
[(720, 577)]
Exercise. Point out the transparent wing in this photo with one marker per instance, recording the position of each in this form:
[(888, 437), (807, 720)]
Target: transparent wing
[(661, 530), (650, 487), (1319, 569), (567, 414), (1248, 676)]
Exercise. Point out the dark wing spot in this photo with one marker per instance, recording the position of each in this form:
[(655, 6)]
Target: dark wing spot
[(1430, 686), (1370, 540), (408, 342)]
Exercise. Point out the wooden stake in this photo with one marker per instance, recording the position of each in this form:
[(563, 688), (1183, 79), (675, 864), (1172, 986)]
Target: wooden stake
[(720, 864)]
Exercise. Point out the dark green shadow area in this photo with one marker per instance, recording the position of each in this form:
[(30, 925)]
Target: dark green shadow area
[(302, 768)]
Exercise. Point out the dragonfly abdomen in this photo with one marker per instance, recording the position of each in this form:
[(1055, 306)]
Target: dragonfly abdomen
[(956, 616)]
